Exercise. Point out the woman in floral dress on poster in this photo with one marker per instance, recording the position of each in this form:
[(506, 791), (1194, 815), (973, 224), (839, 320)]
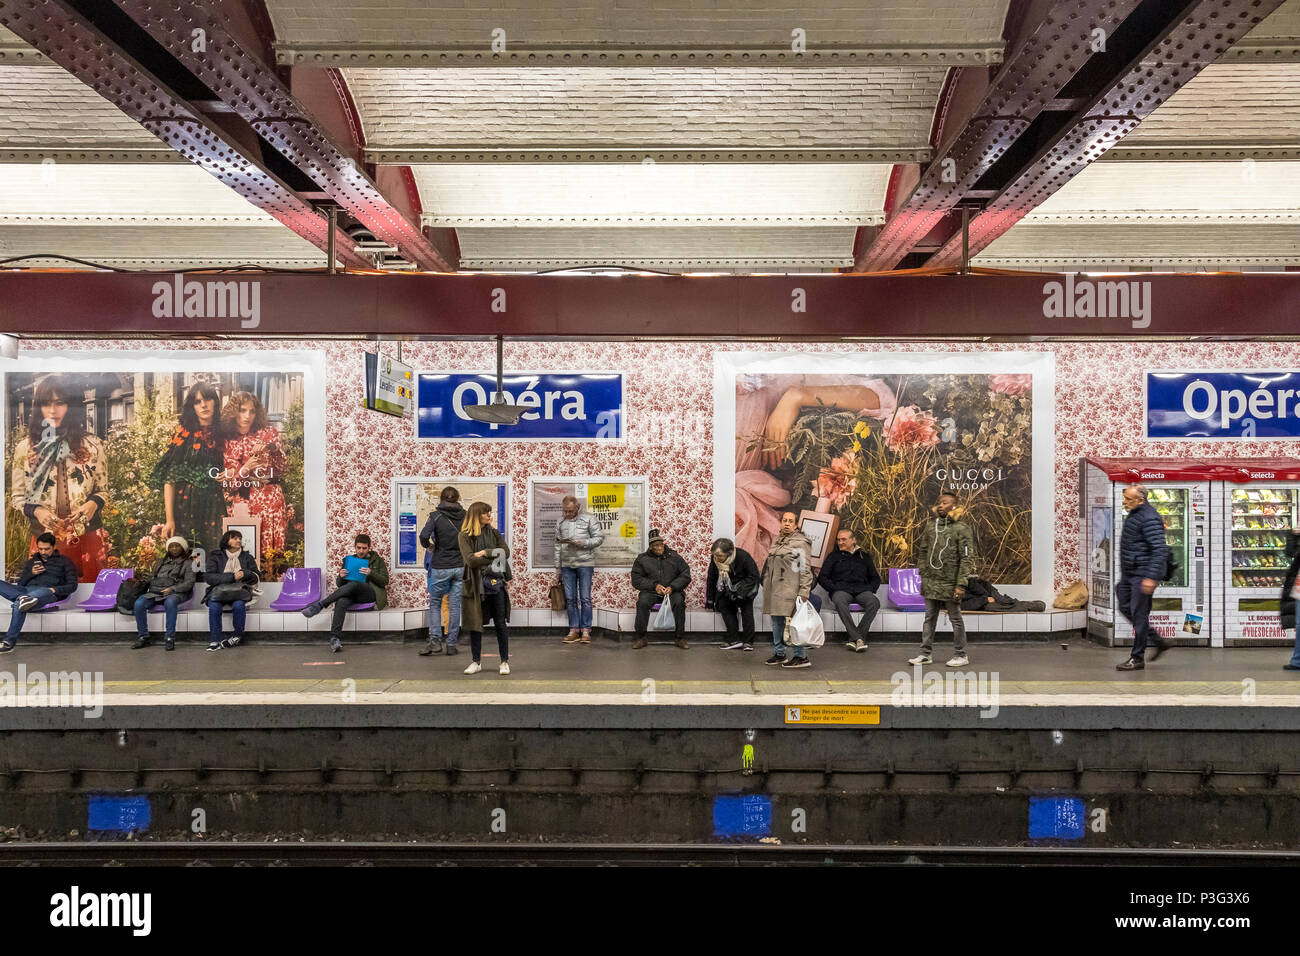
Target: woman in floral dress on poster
[(254, 468), (59, 476), (190, 472)]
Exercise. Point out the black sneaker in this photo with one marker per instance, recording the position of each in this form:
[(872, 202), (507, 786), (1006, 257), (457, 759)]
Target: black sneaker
[(747, 647), (451, 649), (797, 662), (233, 641), (433, 647), (140, 642), (215, 645), (336, 645), (6, 648), (312, 609), (27, 602), (775, 659), (169, 644), (732, 646), (1130, 665)]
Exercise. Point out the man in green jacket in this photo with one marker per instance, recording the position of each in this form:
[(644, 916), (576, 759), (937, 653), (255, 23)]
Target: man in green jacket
[(947, 559), (363, 579)]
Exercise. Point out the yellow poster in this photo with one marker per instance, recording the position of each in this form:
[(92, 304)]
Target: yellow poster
[(831, 714), (605, 497)]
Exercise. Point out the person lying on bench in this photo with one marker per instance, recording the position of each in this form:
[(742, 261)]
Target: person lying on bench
[(363, 579)]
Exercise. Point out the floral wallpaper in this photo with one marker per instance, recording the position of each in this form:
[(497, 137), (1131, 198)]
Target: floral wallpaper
[(669, 404)]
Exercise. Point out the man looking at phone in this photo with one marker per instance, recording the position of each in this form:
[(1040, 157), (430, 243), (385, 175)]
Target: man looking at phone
[(47, 576), (577, 536)]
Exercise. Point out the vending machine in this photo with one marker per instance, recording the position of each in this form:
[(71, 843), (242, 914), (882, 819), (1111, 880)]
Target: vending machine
[(1259, 501), (1180, 492)]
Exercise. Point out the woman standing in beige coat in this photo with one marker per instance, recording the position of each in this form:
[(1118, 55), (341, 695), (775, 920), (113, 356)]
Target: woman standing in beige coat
[(787, 575), (485, 596)]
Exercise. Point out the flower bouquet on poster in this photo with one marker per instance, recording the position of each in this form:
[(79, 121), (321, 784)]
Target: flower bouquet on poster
[(114, 463), (877, 450)]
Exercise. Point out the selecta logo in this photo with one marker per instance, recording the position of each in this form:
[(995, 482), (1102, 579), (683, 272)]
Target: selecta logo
[(209, 299), (1147, 474), (1257, 474), (1089, 299)]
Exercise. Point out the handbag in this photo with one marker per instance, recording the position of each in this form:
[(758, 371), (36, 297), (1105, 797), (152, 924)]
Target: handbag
[(805, 626), (556, 595), (127, 592), (225, 593)]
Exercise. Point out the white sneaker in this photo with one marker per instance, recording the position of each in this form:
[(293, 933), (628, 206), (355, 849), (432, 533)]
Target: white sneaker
[(958, 660), (921, 659), (504, 668), (474, 667)]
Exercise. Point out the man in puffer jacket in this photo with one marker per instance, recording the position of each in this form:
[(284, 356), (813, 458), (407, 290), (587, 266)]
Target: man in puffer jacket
[(171, 581), (947, 559), (577, 536), (660, 574), (1143, 557)]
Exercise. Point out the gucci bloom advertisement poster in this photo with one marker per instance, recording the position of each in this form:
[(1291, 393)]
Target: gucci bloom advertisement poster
[(874, 439), (116, 459)]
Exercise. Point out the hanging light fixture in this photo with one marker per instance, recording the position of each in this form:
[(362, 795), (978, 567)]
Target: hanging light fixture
[(499, 412)]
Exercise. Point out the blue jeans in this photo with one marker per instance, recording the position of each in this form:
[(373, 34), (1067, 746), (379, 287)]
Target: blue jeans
[(577, 596), (778, 640), (1295, 657), (445, 582), (142, 605), (13, 592), (238, 614)]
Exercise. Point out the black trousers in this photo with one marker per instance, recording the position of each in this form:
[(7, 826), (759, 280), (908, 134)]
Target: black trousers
[(648, 599), (1136, 607), (494, 609), (735, 615), (354, 592)]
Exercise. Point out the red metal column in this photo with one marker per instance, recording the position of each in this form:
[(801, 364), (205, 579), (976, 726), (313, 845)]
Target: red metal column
[(239, 77)]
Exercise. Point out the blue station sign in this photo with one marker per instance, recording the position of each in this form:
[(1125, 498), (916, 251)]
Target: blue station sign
[(570, 406), (1223, 405)]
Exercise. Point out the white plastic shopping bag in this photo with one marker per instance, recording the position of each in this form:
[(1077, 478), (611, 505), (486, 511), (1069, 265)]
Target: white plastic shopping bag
[(805, 626), (663, 619)]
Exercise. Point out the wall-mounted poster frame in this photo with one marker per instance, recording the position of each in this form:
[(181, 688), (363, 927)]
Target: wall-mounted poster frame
[(622, 504), (414, 497)]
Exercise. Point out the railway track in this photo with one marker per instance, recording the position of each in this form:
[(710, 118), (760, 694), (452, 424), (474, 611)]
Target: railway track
[(118, 854)]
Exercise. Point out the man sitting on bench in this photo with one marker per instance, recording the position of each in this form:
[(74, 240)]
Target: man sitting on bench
[(47, 576), (849, 576)]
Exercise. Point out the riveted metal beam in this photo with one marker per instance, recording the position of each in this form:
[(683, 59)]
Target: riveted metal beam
[(1052, 54), (238, 75), (63, 34), (1173, 50)]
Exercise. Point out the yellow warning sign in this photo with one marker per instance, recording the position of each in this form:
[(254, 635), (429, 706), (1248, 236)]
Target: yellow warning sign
[(831, 714), (628, 529), (605, 497)]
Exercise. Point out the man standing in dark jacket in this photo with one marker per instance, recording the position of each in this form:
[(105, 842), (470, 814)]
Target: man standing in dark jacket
[(1143, 558), (47, 576), (660, 574), (440, 536), (849, 576)]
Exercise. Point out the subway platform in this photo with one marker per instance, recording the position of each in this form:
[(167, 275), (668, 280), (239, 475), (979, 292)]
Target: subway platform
[(1008, 685)]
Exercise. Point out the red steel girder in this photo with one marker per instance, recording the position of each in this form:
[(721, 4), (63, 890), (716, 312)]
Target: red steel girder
[(63, 35), (1198, 38), (1029, 80), (242, 79)]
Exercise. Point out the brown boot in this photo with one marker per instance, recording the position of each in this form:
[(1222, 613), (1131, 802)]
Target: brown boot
[(586, 635), (572, 637), (681, 642), (638, 644)]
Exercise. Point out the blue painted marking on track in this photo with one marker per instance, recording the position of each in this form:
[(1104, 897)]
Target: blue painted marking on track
[(744, 816), (1056, 818), (119, 813)]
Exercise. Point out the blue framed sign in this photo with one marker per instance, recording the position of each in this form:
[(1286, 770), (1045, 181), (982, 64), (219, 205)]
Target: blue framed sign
[(568, 406), (1223, 405)]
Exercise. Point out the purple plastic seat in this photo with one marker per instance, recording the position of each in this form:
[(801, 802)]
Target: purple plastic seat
[(104, 596), (298, 588), (362, 607), (51, 606), (905, 589)]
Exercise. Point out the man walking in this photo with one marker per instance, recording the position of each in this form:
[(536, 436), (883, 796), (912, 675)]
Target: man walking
[(947, 559), (660, 574), (1143, 558), (849, 576), (446, 569)]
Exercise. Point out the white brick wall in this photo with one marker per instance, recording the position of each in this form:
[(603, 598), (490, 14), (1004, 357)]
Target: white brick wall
[(636, 107), (45, 106), (632, 193), (638, 23), (1228, 102)]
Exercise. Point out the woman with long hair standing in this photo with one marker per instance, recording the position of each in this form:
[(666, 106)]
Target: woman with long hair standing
[(485, 594), (254, 464), (59, 476), (190, 471)]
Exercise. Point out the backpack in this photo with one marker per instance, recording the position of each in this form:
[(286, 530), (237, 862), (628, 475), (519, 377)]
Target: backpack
[(128, 591)]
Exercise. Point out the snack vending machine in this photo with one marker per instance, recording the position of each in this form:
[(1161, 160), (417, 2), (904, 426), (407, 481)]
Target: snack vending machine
[(1259, 502), (1180, 492)]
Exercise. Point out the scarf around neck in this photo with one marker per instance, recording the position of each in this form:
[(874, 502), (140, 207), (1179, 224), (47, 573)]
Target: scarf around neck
[(49, 451), (724, 571)]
